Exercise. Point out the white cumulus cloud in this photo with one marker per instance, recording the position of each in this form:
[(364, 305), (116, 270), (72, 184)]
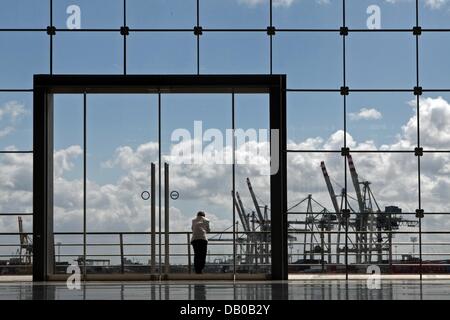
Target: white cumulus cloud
[(12, 109), (435, 4), (10, 112), (432, 4), (366, 114)]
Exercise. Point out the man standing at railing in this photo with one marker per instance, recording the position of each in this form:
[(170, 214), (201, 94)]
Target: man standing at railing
[(200, 229)]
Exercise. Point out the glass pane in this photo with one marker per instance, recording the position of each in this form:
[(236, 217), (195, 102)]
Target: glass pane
[(433, 60), (234, 14), (405, 248), (435, 253), (88, 53), (162, 14), (308, 128), (392, 177), (25, 14), (16, 185), (239, 53), (16, 252), (67, 178), (93, 14), (68, 163), (384, 121), (193, 144), (434, 124), (381, 14), (315, 227), (120, 149), (435, 187), (434, 14), (253, 183), (388, 195), (435, 224), (16, 121), (370, 65), (388, 198), (162, 53), (310, 60), (307, 14), (23, 54)]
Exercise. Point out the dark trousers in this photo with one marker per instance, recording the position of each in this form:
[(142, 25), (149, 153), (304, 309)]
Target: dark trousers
[(200, 249)]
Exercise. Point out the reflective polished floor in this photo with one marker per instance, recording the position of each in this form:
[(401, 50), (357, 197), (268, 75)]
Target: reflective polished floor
[(207, 290)]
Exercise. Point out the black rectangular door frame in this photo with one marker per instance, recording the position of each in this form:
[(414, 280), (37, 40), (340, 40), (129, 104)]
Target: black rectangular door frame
[(45, 86)]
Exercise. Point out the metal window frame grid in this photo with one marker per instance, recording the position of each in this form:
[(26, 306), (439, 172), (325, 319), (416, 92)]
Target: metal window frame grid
[(416, 31)]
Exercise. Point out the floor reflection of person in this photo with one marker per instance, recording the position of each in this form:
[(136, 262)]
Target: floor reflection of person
[(199, 292), (200, 229)]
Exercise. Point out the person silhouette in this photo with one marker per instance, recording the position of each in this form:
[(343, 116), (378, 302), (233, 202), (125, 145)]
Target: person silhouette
[(200, 229)]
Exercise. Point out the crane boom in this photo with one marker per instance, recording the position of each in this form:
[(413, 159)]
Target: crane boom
[(238, 209), (355, 181), (361, 238), (243, 217), (255, 201), (330, 187)]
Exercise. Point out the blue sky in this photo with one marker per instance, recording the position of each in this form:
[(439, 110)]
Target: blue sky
[(310, 60)]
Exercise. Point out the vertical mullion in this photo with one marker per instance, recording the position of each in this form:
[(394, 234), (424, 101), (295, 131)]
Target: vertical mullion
[(84, 182), (344, 22), (347, 215), (198, 13), (159, 181), (344, 79), (417, 12), (198, 54), (124, 13), (344, 65), (124, 38), (271, 38), (51, 54), (278, 186), (271, 13), (418, 143), (51, 12), (51, 37), (271, 53), (233, 125), (418, 139), (420, 218), (198, 37)]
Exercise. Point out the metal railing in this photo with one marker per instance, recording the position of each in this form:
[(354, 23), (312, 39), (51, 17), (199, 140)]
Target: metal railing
[(111, 252), (251, 257)]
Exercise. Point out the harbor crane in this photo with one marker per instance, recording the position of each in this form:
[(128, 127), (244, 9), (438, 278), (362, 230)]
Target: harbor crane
[(25, 250)]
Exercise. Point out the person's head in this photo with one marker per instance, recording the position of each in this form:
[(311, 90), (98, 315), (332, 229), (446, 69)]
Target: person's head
[(201, 214)]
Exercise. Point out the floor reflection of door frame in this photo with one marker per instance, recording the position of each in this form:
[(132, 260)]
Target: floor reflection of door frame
[(47, 85)]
